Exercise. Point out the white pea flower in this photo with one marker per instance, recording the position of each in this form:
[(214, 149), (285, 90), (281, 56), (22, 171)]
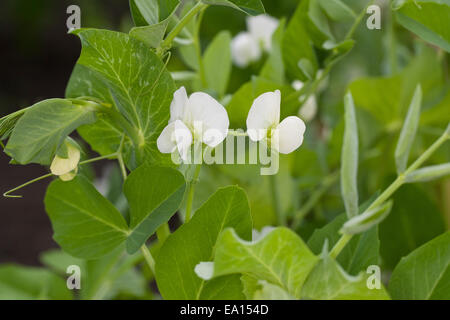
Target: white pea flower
[(198, 118), (248, 46), (308, 110), (263, 122), (244, 49), (66, 167), (261, 28)]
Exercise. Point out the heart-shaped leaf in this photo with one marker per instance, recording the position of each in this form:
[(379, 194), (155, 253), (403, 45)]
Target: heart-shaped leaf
[(152, 203), (124, 72), (42, 129), (195, 242)]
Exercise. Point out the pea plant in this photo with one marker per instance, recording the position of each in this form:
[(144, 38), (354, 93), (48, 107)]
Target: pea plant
[(292, 160)]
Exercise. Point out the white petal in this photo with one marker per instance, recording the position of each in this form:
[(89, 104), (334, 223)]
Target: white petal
[(208, 118), (178, 105), (297, 85), (61, 166), (183, 139), (309, 109), (262, 28), (264, 113), (289, 134), (166, 140), (244, 50), (204, 270), (70, 175)]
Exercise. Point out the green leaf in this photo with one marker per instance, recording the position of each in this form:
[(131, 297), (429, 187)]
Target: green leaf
[(317, 24), (361, 252), (124, 72), (42, 129), (149, 12), (428, 173), (85, 224), (387, 99), (58, 261), (217, 63), (408, 132), (26, 283), (367, 220), (151, 18), (349, 160), (429, 19), (328, 281), (279, 257), (273, 69), (194, 242), (251, 7), (8, 122), (255, 289), (425, 273), (337, 10), (297, 44), (151, 202), (414, 220)]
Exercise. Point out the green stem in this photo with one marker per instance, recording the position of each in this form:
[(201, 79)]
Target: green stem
[(276, 200), (167, 43), (342, 242), (163, 232), (7, 193), (345, 238), (190, 198), (357, 22), (314, 199), (120, 159), (48, 175), (109, 156), (148, 257)]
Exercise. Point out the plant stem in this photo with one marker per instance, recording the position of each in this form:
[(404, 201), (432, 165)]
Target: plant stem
[(148, 257), (120, 159), (167, 43), (357, 22), (48, 175), (314, 199), (190, 198), (345, 238), (7, 193), (109, 156), (163, 232), (342, 242)]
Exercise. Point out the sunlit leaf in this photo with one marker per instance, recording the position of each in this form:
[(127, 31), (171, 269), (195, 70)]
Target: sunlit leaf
[(195, 242), (42, 129), (279, 257), (425, 273)]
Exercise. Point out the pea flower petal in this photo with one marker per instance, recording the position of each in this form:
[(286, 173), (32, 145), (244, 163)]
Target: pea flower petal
[(244, 50), (61, 166), (198, 117), (289, 134), (264, 114), (261, 28), (178, 105)]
